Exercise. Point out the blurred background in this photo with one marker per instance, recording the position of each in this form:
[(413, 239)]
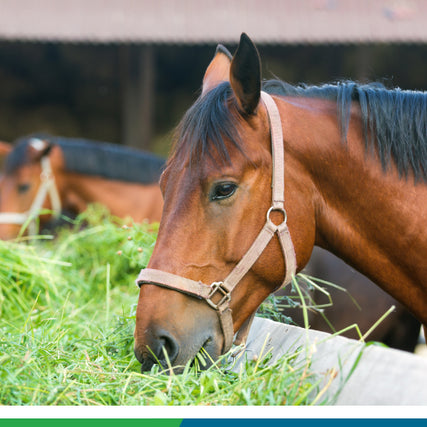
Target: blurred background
[(126, 71)]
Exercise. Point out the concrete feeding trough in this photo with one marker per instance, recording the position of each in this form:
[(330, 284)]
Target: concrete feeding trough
[(382, 376)]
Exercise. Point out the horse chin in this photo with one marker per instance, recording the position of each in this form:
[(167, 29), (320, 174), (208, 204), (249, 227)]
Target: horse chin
[(207, 354)]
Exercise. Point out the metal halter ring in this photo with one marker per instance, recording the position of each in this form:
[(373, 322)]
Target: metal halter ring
[(278, 209)]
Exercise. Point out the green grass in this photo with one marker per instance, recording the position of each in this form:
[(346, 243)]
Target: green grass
[(67, 314)]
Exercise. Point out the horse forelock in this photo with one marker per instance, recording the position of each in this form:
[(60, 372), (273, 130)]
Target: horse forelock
[(18, 156), (207, 128)]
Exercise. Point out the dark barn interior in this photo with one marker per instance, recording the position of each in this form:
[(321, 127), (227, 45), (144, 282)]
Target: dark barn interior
[(131, 85)]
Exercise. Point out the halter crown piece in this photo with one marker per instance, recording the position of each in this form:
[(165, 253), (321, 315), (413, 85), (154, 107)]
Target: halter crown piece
[(222, 289)]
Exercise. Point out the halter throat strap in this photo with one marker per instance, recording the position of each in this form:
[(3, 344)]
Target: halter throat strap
[(46, 188), (218, 294)]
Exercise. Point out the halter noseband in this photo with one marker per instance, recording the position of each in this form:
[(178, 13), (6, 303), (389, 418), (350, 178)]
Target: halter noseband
[(47, 188), (221, 290)]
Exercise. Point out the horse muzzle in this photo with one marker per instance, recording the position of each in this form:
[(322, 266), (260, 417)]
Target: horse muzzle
[(188, 330)]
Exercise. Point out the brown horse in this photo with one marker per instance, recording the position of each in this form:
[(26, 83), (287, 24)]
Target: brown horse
[(354, 166), (398, 331), (362, 303), (64, 174)]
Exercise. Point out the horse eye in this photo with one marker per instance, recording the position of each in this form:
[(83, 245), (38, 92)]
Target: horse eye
[(223, 190), (22, 188)]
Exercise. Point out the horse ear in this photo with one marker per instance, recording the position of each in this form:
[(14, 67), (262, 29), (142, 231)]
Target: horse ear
[(38, 148), (5, 148), (245, 75), (218, 70)]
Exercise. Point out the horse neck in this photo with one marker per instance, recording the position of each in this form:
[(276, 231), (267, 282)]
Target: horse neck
[(123, 199), (373, 220)]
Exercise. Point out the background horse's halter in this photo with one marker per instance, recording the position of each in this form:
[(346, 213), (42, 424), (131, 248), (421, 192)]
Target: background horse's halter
[(47, 188), (225, 287)]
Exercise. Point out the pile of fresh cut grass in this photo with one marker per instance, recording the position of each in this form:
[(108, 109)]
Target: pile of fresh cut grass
[(67, 314)]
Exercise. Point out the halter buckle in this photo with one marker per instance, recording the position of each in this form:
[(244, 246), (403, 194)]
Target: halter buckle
[(226, 296)]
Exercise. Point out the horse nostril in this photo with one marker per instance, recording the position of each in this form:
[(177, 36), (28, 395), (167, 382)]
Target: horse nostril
[(170, 346), (161, 348)]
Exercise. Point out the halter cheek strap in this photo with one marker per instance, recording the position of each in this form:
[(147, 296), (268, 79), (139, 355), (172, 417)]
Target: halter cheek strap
[(218, 294), (47, 188)]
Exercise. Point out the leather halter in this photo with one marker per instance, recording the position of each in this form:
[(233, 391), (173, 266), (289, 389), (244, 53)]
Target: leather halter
[(47, 188), (218, 294)]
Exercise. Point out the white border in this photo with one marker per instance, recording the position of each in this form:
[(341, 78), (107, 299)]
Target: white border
[(182, 412)]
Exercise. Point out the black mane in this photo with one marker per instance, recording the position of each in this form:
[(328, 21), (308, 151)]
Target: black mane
[(111, 161), (394, 121)]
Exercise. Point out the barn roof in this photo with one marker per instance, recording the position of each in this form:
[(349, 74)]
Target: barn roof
[(213, 21)]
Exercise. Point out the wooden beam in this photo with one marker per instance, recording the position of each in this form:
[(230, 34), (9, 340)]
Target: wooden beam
[(137, 88)]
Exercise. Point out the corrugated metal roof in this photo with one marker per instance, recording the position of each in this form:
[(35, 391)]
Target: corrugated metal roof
[(212, 21)]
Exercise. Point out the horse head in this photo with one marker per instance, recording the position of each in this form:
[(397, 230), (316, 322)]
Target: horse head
[(217, 192), (27, 186)]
